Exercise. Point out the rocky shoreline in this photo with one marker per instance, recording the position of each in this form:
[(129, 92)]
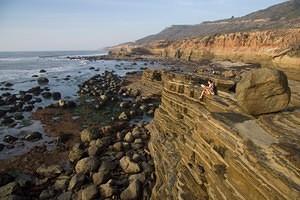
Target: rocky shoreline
[(107, 159), (108, 146)]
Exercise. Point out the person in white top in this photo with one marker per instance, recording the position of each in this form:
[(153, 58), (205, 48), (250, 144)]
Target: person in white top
[(207, 90)]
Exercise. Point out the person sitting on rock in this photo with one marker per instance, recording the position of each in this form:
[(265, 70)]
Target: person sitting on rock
[(208, 90)]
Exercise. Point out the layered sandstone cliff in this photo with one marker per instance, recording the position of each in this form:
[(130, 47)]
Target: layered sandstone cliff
[(212, 150), (279, 48)]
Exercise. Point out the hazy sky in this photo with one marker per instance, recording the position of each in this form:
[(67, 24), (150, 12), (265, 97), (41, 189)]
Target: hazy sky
[(92, 24)]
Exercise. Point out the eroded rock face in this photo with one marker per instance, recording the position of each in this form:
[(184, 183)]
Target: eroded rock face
[(277, 47), (213, 150), (263, 91)]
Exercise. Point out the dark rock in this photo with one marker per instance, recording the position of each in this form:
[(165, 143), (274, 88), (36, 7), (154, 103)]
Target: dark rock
[(46, 95), (5, 179), (19, 116), (1, 148), (26, 97), (33, 136), (8, 84), (34, 76), (2, 113), (65, 196), (35, 90), (38, 100), (9, 139), (28, 108), (56, 96), (124, 104), (47, 194), (11, 99), (77, 181), (43, 71), (42, 80)]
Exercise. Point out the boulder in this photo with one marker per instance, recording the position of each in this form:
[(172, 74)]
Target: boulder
[(87, 165), (33, 136), (106, 190), (42, 80), (133, 191), (46, 95), (19, 116), (94, 150), (7, 121), (8, 190), (263, 91), (47, 194), (89, 134), (26, 97), (77, 181), (65, 196), (76, 153), (129, 166), (101, 176), (9, 139), (90, 192), (61, 182), (49, 171), (56, 96), (1, 148), (128, 137)]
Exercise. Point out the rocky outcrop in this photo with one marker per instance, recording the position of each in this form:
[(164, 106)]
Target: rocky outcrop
[(263, 91), (279, 48), (212, 150)]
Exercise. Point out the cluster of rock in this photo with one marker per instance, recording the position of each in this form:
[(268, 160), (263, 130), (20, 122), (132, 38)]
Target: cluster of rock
[(22, 102), (108, 163), (12, 106), (106, 89)]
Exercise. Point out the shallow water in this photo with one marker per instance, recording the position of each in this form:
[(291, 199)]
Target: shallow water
[(19, 67)]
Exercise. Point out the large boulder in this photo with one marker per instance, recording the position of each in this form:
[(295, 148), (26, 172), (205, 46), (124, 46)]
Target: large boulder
[(49, 171), (87, 165), (129, 166), (89, 134), (133, 191), (263, 91)]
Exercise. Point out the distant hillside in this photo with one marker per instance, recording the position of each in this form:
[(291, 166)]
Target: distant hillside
[(284, 15)]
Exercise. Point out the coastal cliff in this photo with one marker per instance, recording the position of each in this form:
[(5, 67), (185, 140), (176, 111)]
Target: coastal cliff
[(279, 48), (213, 150)]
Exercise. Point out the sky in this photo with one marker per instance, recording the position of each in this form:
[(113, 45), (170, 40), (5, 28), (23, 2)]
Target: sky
[(33, 25)]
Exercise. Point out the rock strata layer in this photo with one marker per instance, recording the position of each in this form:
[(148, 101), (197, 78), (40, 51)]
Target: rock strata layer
[(279, 48), (213, 150)]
